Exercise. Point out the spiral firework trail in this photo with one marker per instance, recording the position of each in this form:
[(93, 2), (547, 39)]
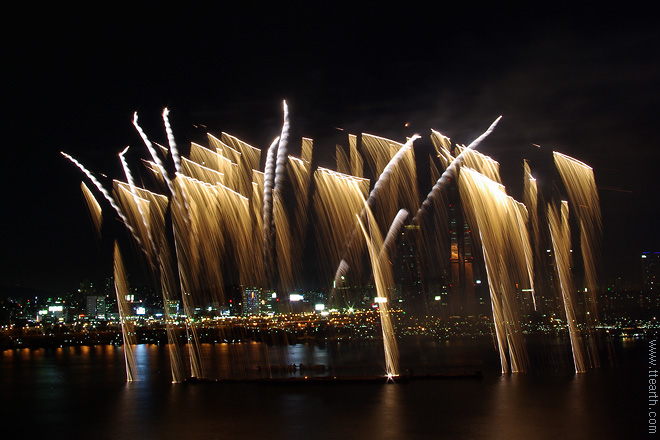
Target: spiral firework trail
[(171, 141), (153, 152), (107, 196), (450, 172), (131, 183), (269, 177)]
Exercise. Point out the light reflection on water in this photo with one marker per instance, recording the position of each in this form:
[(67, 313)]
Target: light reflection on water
[(81, 391)]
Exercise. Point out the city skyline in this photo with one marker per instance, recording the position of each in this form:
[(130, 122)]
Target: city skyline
[(95, 349), (568, 82)]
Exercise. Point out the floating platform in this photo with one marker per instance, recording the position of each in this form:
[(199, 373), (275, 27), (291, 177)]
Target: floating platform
[(340, 380)]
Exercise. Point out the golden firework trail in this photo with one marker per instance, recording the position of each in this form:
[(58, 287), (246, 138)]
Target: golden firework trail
[(138, 203), (343, 160), (378, 152), (561, 245), (247, 160), (501, 225), (152, 151), (530, 200), (401, 170), (357, 163), (396, 186), (392, 234), (94, 208), (442, 145), (384, 282), (291, 225), (484, 164), (127, 326), (337, 200), (106, 195), (580, 184), (218, 219), (154, 207), (450, 171)]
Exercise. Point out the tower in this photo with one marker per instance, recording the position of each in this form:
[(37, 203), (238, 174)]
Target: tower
[(410, 273), (651, 270), (462, 295)]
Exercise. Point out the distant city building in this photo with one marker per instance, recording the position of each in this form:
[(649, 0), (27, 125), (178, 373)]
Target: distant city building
[(409, 274), (251, 301), (257, 301), (54, 310), (462, 283), (96, 307), (173, 307), (651, 270)]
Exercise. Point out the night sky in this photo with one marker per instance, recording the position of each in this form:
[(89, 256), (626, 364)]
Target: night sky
[(581, 80)]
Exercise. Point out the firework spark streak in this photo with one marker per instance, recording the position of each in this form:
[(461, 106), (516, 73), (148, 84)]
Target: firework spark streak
[(383, 281), (530, 199), (282, 155), (171, 141), (389, 169), (579, 181), (500, 220), (580, 185), (127, 326), (280, 236), (269, 177), (340, 274), (221, 221), (392, 234), (399, 168), (450, 172), (131, 183), (153, 152), (94, 208), (561, 245), (106, 194)]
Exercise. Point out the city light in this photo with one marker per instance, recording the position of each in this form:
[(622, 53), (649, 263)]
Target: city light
[(215, 218)]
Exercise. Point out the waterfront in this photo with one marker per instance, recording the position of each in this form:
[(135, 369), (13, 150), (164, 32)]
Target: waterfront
[(72, 392)]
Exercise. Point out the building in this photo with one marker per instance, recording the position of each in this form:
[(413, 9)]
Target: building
[(651, 270), (462, 296), (409, 274), (96, 307), (256, 301)]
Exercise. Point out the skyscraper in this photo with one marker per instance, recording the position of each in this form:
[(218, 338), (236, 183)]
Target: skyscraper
[(651, 270), (461, 293), (410, 273), (96, 306)]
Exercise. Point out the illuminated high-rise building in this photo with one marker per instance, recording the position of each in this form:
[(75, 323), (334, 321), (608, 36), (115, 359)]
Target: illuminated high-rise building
[(651, 270), (461, 290), (411, 288), (96, 307), (252, 301)]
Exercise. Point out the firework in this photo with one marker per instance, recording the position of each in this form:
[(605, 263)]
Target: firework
[(127, 327), (500, 222), (218, 219)]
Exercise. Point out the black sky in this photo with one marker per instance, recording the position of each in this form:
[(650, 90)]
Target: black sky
[(582, 80)]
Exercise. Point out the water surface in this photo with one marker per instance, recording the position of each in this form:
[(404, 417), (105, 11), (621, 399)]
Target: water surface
[(75, 392)]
